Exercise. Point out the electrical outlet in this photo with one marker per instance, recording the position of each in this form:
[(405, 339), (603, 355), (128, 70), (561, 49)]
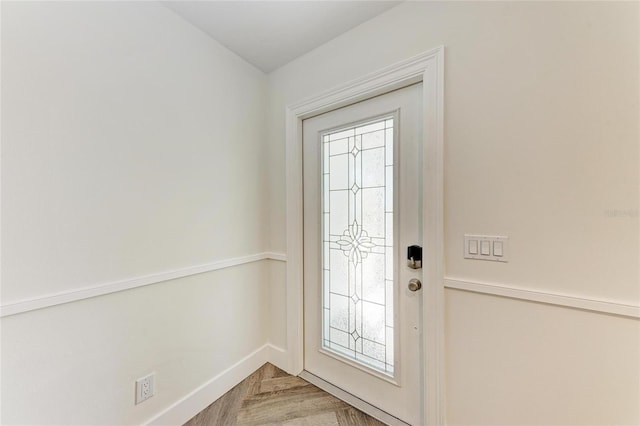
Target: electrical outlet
[(145, 388)]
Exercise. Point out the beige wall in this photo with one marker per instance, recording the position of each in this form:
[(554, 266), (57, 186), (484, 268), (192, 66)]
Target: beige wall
[(541, 132), (541, 144), (131, 145), (512, 362)]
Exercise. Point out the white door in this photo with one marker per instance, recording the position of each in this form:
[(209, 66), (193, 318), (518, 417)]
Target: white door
[(362, 209)]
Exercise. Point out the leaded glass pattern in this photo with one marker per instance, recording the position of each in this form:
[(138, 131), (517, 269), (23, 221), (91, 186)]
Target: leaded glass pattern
[(357, 243)]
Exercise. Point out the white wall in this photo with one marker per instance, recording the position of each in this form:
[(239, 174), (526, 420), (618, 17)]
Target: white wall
[(541, 144), (131, 145), (76, 364), (120, 123)]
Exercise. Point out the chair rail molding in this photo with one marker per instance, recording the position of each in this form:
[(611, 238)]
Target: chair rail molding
[(45, 301), (427, 68), (562, 300)]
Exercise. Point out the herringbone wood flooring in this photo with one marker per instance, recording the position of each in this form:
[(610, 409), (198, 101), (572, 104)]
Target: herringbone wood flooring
[(272, 397)]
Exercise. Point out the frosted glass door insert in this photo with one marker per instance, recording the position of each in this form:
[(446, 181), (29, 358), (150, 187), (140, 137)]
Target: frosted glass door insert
[(362, 204), (357, 244)]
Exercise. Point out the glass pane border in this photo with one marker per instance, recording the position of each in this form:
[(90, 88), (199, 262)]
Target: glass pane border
[(394, 376)]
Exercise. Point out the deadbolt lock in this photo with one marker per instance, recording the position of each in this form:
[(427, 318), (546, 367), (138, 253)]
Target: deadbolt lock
[(414, 257)]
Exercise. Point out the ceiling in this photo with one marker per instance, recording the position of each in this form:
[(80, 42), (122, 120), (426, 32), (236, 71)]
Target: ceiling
[(269, 34)]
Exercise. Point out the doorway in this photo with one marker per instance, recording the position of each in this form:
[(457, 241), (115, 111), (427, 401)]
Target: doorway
[(428, 69), (362, 204)]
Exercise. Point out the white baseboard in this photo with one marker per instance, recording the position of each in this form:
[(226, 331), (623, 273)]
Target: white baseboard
[(279, 357), (190, 405)]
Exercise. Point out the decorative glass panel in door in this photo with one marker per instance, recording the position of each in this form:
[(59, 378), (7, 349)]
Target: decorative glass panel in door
[(362, 206), (357, 265)]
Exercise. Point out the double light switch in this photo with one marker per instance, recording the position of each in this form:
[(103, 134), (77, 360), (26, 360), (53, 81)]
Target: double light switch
[(486, 247)]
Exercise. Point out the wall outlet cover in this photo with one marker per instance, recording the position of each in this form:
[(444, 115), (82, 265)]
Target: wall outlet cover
[(145, 388)]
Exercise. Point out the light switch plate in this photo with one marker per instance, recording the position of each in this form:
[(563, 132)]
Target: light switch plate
[(486, 247)]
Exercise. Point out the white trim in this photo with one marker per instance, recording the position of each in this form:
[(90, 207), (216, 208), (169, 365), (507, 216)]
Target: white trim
[(434, 410), (278, 356), (185, 408), (428, 68), (271, 255), (352, 400), (13, 308), (294, 272), (565, 301), (385, 80)]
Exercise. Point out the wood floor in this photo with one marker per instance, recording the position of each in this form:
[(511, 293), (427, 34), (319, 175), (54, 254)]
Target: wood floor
[(272, 397)]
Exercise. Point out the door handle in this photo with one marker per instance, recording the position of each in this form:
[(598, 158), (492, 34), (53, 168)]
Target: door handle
[(415, 284)]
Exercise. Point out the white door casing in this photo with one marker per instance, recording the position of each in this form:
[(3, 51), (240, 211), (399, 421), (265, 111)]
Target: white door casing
[(428, 68), (362, 208)]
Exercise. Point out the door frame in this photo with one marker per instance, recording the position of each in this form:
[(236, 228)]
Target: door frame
[(427, 68)]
